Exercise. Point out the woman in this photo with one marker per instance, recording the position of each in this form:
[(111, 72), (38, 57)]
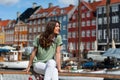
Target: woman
[(46, 52)]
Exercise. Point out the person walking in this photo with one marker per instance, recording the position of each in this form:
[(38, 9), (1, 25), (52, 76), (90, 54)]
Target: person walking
[(45, 57)]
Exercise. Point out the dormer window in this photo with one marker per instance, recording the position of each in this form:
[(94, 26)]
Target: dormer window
[(83, 7), (45, 13), (9, 25), (62, 11), (38, 15), (54, 12)]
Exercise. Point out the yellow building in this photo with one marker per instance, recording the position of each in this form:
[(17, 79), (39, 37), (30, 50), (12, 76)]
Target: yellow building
[(2, 38)]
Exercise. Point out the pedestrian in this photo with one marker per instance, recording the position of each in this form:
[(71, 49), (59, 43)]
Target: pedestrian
[(45, 56)]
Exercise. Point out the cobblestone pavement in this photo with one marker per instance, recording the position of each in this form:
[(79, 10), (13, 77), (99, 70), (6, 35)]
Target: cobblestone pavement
[(26, 77), (15, 77)]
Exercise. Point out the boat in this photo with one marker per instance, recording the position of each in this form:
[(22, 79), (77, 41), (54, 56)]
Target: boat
[(80, 71), (14, 65), (13, 60), (115, 71)]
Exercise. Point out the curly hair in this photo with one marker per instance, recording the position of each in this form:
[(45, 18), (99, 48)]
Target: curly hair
[(46, 37)]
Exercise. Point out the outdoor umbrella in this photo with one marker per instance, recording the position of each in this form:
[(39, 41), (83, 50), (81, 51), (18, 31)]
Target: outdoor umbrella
[(113, 52), (8, 47), (116, 53)]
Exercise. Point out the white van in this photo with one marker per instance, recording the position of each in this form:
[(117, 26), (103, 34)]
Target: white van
[(96, 55)]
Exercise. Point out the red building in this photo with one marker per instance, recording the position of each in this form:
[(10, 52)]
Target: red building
[(86, 36)]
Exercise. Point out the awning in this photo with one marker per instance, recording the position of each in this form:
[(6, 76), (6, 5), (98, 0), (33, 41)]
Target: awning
[(4, 50)]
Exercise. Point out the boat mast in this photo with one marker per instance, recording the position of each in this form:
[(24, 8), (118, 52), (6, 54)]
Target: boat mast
[(79, 32), (108, 21), (18, 31), (18, 44)]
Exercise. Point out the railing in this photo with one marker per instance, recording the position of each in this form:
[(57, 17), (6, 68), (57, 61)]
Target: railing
[(110, 76)]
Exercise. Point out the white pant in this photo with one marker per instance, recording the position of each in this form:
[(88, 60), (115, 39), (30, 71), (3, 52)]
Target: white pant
[(48, 69)]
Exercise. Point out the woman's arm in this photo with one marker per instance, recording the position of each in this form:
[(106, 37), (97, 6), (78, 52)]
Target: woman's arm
[(58, 58), (31, 59)]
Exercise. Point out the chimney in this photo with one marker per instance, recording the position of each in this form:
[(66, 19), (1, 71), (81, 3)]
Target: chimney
[(34, 5), (50, 5), (40, 6), (89, 1), (94, 0), (18, 14)]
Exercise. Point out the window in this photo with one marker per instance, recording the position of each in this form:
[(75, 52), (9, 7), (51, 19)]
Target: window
[(83, 7), (73, 34), (83, 33), (74, 25), (88, 14), (64, 27), (115, 8), (30, 30), (83, 23), (88, 33), (105, 20), (69, 34), (35, 22), (54, 12), (43, 28), (62, 11), (93, 45), (100, 10), (115, 34), (93, 22), (83, 15), (38, 15), (63, 47), (105, 34), (39, 29), (99, 21), (30, 23), (93, 32), (48, 19), (43, 21), (69, 25), (104, 9), (88, 23), (64, 37), (88, 45), (74, 16), (64, 18), (39, 21), (35, 29), (99, 34), (115, 19)]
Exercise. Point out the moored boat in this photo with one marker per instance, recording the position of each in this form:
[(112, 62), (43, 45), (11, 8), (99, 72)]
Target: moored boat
[(13, 60)]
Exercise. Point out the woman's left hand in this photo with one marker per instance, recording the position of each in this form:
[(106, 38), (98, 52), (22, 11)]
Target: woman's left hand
[(63, 70)]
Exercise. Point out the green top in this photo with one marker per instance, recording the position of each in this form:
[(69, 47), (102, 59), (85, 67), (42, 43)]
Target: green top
[(43, 55)]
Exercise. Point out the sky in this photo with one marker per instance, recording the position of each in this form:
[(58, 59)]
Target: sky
[(9, 8)]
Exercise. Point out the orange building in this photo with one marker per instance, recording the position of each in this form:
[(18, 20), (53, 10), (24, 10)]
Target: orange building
[(3, 24)]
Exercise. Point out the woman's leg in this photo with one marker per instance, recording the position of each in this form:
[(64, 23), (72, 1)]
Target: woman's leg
[(48, 69), (51, 73), (39, 68)]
